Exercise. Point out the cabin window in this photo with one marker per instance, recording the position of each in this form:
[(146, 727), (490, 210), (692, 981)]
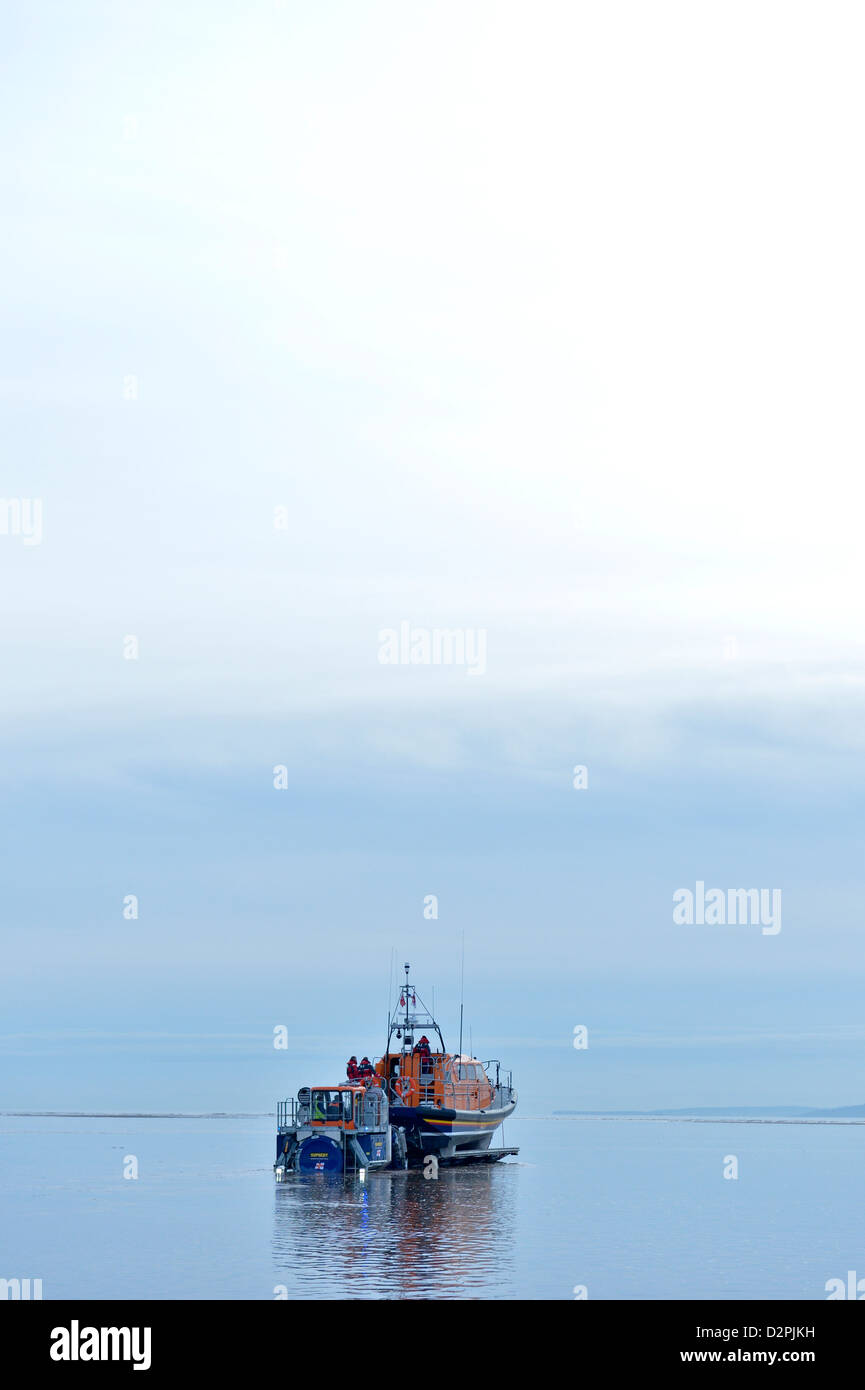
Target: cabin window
[(326, 1105)]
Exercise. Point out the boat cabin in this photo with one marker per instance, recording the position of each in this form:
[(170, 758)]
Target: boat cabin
[(454, 1082)]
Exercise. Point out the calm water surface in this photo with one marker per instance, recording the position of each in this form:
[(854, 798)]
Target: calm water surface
[(630, 1209)]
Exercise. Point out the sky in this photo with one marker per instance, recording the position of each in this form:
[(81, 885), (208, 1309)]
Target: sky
[(537, 321)]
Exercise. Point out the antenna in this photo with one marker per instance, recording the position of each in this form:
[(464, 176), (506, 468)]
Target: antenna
[(390, 996), (390, 985), (462, 991)]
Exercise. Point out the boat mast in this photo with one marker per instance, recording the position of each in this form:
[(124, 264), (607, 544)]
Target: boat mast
[(462, 994), (404, 1019)]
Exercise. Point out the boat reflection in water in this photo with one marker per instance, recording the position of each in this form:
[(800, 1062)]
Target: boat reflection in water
[(397, 1235)]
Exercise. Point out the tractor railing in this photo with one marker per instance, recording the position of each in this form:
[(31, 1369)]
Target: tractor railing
[(286, 1114)]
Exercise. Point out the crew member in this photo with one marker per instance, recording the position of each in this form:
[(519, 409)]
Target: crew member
[(352, 1071)]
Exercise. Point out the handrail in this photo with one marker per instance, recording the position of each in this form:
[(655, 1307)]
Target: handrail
[(468, 1094), (286, 1113), (429, 1088)]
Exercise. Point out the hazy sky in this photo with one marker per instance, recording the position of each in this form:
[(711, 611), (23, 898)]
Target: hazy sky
[(542, 320)]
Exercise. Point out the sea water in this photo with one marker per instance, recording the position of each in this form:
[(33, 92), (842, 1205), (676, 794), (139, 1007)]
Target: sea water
[(599, 1208)]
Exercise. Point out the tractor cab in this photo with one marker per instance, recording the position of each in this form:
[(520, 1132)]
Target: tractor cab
[(332, 1129), (331, 1105), (349, 1107)]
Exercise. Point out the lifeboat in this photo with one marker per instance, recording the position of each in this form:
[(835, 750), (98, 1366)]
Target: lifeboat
[(448, 1104), (416, 1102)]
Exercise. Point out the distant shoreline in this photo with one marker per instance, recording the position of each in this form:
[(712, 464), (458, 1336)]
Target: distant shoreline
[(135, 1114), (847, 1114), (854, 1114)]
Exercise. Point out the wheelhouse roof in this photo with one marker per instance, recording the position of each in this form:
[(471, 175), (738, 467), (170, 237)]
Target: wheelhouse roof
[(341, 1087)]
